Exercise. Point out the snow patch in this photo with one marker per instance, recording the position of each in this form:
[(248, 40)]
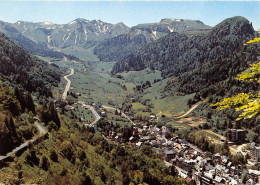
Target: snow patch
[(49, 38), (72, 22), (171, 29), (76, 36), (46, 23), (67, 37), (86, 34), (176, 20), (154, 35)]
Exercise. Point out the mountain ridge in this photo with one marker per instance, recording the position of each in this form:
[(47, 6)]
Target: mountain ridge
[(196, 57), (116, 48)]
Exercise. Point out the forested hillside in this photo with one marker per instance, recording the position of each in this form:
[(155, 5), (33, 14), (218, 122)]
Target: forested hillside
[(178, 53), (120, 46), (16, 123), (20, 67), (203, 59)]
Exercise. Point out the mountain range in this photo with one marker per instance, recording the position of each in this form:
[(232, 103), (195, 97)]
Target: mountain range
[(49, 39), (118, 47), (108, 40)]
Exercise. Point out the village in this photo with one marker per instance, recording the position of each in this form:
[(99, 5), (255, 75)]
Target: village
[(188, 160)]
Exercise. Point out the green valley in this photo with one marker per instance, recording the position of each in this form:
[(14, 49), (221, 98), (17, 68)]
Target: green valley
[(89, 102)]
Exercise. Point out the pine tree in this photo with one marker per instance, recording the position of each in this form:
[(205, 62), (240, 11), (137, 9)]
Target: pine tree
[(44, 164), (20, 97), (54, 115), (12, 126), (30, 104)]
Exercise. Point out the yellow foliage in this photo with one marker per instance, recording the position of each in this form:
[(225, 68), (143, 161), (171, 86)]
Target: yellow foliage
[(251, 75), (248, 104), (257, 39)]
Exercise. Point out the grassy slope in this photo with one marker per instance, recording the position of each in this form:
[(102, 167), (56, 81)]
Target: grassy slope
[(84, 54), (139, 77), (167, 105)]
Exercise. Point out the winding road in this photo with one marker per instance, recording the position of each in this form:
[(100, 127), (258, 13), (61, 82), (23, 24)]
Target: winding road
[(97, 116), (67, 87), (25, 144)]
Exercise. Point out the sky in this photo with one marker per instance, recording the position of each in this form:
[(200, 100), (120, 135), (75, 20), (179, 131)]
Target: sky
[(129, 12)]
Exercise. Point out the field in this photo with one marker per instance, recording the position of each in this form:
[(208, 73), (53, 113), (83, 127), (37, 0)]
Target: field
[(83, 54), (116, 119), (86, 115), (179, 125), (170, 105), (137, 106), (139, 77), (97, 88)]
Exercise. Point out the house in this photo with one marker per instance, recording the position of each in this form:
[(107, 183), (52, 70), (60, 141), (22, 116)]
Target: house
[(183, 173), (236, 135), (145, 138), (139, 144), (205, 179), (169, 154), (219, 180), (197, 153), (250, 182), (254, 175), (220, 169), (208, 167), (152, 117), (154, 143), (132, 139), (103, 113), (224, 160), (118, 139), (216, 158)]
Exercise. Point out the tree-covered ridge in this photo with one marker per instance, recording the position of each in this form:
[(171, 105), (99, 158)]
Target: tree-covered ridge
[(177, 53), (203, 59), (16, 118), (21, 67)]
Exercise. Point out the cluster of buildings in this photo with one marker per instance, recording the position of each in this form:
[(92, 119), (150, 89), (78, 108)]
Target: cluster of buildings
[(217, 169), (191, 163)]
